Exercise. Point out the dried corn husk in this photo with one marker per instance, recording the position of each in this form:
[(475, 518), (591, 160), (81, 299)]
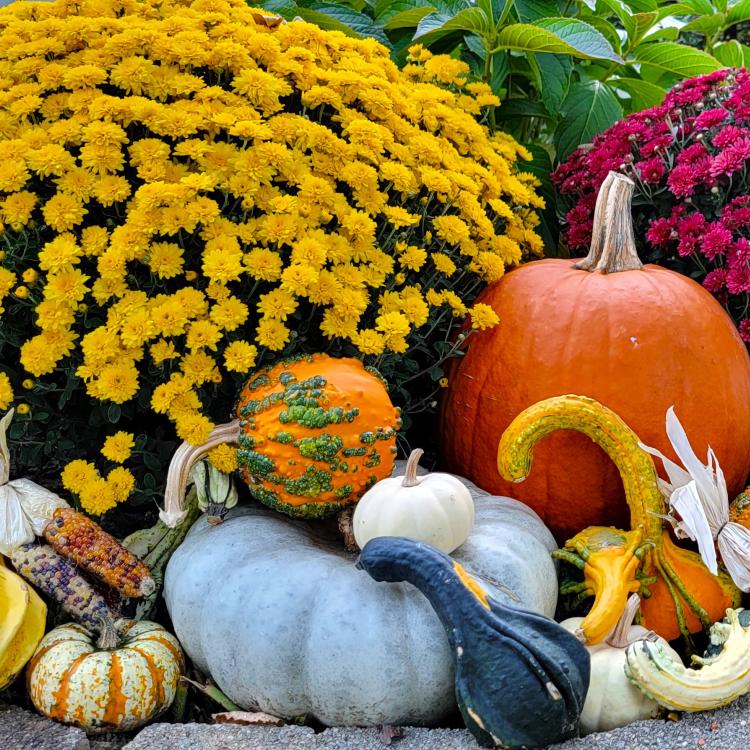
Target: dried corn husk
[(25, 507), (699, 506)]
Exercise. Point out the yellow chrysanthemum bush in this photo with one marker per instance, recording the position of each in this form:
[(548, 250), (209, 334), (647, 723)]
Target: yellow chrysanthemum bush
[(189, 190)]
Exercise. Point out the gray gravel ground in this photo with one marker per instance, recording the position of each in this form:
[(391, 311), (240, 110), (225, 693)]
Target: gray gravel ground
[(724, 729), (727, 729)]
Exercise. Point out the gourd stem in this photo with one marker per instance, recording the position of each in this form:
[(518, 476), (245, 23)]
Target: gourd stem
[(608, 431), (412, 464), (108, 637), (619, 637), (613, 240), (179, 468)]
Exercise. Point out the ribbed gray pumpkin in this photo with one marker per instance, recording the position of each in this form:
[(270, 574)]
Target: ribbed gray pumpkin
[(276, 612)]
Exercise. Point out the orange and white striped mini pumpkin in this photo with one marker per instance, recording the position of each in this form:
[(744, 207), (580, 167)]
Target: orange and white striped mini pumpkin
[(73, 681)]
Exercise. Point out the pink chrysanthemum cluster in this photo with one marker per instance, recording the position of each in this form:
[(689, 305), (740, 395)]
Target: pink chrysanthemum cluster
[(689, 159)]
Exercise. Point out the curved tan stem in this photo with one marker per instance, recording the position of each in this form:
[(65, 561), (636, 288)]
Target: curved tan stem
[(412, 464), (613, 240), (620, 636), (184, 458)]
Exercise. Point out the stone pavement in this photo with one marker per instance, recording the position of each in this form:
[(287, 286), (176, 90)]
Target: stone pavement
[(22, 730)]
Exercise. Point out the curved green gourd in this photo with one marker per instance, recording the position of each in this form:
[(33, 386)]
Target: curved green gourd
[(521, 679)]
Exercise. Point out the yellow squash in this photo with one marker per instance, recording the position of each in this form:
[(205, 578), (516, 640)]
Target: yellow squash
[(22, 619)]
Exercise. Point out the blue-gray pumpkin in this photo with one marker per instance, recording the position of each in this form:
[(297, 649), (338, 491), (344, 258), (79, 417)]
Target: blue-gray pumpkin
[(274, 610)]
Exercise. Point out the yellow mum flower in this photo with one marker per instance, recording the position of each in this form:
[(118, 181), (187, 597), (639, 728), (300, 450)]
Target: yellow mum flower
[(229, 314), (63, 212), (120, 482), (277, 304), (118, 382), (66, 286), (165, 259), (119, 446), (6, 391), (262, 264), (162, 350), (97, 497), (224, 458), (202, 334), (194, 428), (240, 356), (483, 316), (369, 342), (78, 474), (272, 334)]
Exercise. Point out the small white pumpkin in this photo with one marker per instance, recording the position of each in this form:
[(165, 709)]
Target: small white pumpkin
[(612, 700), (434, 508)]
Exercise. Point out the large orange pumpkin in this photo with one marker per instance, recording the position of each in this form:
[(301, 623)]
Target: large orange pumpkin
[(638, 340)]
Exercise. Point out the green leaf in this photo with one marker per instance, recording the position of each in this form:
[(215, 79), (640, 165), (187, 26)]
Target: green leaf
[(608, 31), (730, 54), (114, 413), (670, 57), (639, 25), (359, 23), (565, 36), (643, 94), (700, 7), (589, 108), (408, 18), (642, 6), (533, 10), (518, 107), (436, 25), (555, 71), (706, 25), (739, 12), (384, 10)]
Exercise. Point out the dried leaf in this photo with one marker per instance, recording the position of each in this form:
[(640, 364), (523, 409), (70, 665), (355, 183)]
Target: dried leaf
[(390, 733), (269, 21), (254, 718)]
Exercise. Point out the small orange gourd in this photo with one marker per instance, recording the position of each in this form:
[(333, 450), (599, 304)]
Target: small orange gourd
[(314, 434)]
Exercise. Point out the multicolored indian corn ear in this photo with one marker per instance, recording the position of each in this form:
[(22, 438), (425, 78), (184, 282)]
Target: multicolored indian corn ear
[(58, 579), (78, 538)]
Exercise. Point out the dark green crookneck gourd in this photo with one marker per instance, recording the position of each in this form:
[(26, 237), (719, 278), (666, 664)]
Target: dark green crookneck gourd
[(521, 679)]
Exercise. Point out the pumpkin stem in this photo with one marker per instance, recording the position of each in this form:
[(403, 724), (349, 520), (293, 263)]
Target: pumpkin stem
[(412, 464), (619, 637), (185, 456), (108, 637), (612, 240)]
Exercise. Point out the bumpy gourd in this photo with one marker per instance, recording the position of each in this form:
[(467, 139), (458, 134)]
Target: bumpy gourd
[(679, 594), (521, 679), (314, 433), (100, 690), (435, 508), (660, 674), (22, 620)]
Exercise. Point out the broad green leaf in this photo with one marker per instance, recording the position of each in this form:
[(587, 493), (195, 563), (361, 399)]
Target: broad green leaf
[(499, 71), (407, 19), (700, 7), (589, 108), (607, 30), (533, 10), (730, 54), (555, 73), (642, 6), (670, 57), (565, 36), (518, 107), (643, 95), (640, 25), (437, 25), (676, 10), (739, 12), (359, 23), (619, 9), (286, 8), (668, 33), (706, 25)]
